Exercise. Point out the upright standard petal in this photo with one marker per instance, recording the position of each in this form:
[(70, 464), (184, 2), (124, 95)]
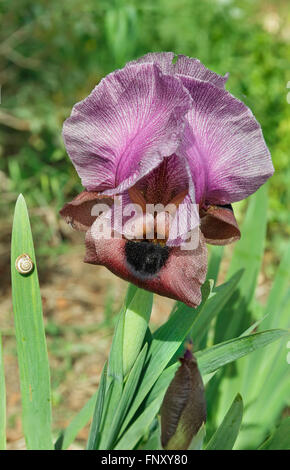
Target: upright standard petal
[(195, 69), (224, 145), (167, 180), (125, 127), (182, 66), (170, 186)]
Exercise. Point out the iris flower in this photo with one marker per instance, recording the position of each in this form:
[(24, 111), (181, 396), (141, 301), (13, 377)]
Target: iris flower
[(163, 130)]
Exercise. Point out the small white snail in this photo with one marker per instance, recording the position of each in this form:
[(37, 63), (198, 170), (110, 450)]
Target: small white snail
[(24, 264)]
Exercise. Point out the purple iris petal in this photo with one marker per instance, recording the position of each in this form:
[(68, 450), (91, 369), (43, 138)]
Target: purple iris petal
[(171, 178), (125, 127), (224, 146), (165, 181), (183, 66), (169, 181), (195, 69)]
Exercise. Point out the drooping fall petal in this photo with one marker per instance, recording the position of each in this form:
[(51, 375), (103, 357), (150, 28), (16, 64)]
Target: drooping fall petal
[(219, 225), (171, 272), (79, 212), (180, 277)]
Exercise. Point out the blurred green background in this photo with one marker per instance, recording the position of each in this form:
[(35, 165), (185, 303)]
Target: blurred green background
[(51, 55)]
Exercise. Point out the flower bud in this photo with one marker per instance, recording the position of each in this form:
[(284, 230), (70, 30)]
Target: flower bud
[(183, 409)]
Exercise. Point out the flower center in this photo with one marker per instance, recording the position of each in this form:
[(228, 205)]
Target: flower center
[(145, 259), (156, 218)]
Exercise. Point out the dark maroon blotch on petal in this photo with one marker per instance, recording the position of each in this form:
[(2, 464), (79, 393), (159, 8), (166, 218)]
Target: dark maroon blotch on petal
[(180, 278)]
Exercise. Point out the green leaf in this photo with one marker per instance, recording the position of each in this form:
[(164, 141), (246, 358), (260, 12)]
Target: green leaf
[(248, 255), (165, 344), (183, 310), (79, 422), (278, 292), (197, 441), (248, 331), (256, 372), (216, 254), (94, 435), (225, 436), (2, 402), (121, 410), (280, 439), (264, 384), (31, 343), (275, 367), (254, 326), (162, 383), (249, 250), (141, 423), (137, 317), (221, 354), (153, 442), (213, 307), (131, 291), (115, 364), (114, 387), (268, 391), (139, 427)]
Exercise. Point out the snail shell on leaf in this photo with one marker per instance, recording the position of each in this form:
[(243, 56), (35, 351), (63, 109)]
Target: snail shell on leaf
[(24, 264)]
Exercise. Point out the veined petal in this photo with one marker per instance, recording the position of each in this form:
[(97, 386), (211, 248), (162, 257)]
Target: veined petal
[(125, 127), (170, 184), (167, 180), (182, 66), (164, 60), (219, 225), (195, 69), (180, 278), (79, 212), (224, 145), (187, 221)]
